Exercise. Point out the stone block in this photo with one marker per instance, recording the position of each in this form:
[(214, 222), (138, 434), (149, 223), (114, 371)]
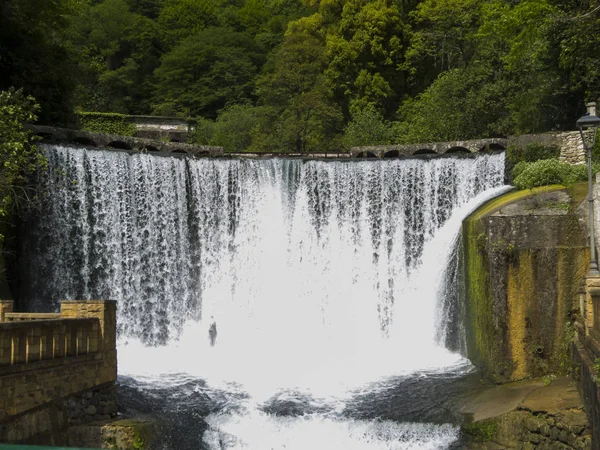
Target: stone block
[(6, 306)]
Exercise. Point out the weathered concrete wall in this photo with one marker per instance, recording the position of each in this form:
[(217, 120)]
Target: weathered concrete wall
[(54, 373), (172, 129), (525, 255)]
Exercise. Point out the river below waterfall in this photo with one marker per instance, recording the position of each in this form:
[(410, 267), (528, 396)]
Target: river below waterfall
[(270, 304)]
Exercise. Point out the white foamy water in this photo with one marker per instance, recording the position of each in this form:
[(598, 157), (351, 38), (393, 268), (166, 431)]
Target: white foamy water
[(319, 276), (256, 430)]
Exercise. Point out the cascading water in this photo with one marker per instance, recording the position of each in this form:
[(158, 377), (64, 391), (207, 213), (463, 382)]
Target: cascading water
[(321, 278)]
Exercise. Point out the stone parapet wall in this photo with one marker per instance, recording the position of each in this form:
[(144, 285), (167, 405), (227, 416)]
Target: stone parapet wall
[(589, 385), (45, 363), (587, 353), (397, 150), (569, 142)]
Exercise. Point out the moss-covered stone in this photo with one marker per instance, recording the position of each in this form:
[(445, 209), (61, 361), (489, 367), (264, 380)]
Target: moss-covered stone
[(524, 261), (484, 430), (126, 434), (528, 414)]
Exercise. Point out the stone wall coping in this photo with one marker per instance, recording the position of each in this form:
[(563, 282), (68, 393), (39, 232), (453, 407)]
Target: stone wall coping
[(24, 324), (30, 316)]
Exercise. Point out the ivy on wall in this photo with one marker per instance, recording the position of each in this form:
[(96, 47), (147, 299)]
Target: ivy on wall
[(108, 123)]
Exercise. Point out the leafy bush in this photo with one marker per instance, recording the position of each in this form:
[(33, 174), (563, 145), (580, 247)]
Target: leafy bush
[(519, 168), (549, 171), (20, 157), (203, 132), (367, 128), (518, 157), (109, 123)]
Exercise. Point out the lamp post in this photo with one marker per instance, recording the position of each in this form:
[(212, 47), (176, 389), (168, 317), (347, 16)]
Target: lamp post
[(588, 128)]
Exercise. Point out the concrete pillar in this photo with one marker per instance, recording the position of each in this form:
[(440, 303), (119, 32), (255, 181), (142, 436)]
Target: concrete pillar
[(6, 306), (103, 310), (592, 307)]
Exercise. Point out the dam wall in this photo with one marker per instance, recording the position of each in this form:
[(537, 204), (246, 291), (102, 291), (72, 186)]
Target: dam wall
[(525, 255)]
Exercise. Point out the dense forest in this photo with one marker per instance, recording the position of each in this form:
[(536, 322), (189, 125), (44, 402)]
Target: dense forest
[(298, 75)]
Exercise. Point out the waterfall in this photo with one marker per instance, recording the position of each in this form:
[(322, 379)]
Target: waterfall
[(322, 274), (287, 256)]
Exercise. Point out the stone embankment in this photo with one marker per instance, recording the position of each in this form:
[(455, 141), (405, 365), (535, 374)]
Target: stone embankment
[(539, 414)]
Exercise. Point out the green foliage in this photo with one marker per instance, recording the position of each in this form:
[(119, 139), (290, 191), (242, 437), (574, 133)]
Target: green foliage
[(596, 368), (138, 443), (206, 72), (33, 55), (548, 171), (517, 157), (109, 123), (365, 52), (460, 104), (547, 379), (203, 131), (235, 126), (484, 430), (19, 157), (315, 71), (567, 364), (299, 112), (368, 128)]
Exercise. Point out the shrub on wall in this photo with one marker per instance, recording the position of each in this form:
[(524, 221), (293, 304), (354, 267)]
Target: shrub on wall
[(108, 123), (518, 157), (532, 152)]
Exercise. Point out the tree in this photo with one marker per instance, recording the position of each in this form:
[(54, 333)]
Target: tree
[(367, 127), (32, 55), (118, 52), (235, 127), (19, 157), (180, 19), (460, 104), (206, 72), (366, 54), (297, 95)]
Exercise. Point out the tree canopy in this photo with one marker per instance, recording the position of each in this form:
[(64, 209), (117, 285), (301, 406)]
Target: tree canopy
[(297, 75)]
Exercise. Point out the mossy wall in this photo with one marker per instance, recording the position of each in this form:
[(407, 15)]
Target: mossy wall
[(523, 267)]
